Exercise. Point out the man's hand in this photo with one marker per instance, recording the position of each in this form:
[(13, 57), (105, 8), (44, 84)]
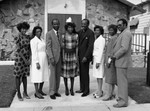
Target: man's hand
[(52, 61), (84, 60), (38, 66), (97, 65)]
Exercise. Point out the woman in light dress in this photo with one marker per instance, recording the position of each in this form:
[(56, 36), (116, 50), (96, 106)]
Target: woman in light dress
[(39, 64), (98, 61)]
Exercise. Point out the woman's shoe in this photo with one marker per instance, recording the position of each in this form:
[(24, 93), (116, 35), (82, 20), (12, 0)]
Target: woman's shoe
[(98, 96), (71, 92), (108, 98), (42, 93), (38, 96), (26, 96), (19, 97), (67, 92)]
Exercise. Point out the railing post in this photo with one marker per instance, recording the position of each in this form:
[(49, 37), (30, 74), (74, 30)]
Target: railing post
[(145, 50), (148, 67)]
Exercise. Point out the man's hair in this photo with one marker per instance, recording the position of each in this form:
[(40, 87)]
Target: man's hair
[(100, 28), (88, 22), (124, 21), (53, 20)]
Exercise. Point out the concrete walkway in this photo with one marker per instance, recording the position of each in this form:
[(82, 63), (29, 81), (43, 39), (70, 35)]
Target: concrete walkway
[(70, 103)]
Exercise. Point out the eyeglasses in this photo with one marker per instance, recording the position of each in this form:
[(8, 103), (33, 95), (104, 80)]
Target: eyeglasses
[(119, 25)]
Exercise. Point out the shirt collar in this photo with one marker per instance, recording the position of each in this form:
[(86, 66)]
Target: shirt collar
[(55, 31)]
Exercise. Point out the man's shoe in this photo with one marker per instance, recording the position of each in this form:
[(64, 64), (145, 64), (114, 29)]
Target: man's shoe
[(119, 106), (52, 96), (84, 94), (57, 95), (79, 91)]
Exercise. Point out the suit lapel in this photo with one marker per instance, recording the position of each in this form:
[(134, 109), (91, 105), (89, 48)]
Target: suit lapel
[(83, 36), (55, 37)]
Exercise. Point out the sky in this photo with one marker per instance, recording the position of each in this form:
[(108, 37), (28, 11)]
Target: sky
[(136, 1)]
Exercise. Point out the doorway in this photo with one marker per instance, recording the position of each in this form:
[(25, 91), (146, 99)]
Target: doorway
[(76, 18)]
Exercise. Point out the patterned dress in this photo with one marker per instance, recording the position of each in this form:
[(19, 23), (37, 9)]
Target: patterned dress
[(22, 48), (69, 60)]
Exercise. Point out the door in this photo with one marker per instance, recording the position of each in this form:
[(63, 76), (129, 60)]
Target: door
[(76, 18)]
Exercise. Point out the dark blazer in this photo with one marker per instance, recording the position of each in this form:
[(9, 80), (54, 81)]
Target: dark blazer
[(86, 41)]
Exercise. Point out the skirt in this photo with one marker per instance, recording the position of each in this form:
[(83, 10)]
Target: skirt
[(110, 74), (69, 65)]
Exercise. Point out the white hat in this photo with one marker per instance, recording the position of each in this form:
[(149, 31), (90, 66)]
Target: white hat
[(69, 20)]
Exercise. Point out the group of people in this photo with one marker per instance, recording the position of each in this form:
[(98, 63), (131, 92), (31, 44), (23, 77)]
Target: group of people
[(69, 55)]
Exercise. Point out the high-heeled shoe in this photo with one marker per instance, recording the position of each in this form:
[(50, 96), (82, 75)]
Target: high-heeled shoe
[(108, 98), (38, 96), (26, 96), (19, 97), (67, 92), (72, 92), (98, 96)]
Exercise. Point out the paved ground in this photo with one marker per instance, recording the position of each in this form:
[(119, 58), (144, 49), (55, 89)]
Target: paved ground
[(70, 103)]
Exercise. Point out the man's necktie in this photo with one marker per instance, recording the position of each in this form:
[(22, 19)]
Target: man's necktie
[(57, 34)]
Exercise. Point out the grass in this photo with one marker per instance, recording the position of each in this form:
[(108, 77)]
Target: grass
[(7, 86), (138, 90)]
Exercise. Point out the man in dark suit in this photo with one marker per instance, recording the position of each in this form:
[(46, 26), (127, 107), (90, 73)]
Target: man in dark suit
[(122, 57), (86, 41), (53, 48)]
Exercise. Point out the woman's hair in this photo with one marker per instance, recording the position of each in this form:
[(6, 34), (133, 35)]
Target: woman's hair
[(100, 28), (34, 30), (23, 25), (114, 27), (71, 25)]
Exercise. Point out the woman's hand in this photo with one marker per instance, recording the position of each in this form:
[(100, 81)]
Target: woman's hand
[(38, 66), (97, 65)]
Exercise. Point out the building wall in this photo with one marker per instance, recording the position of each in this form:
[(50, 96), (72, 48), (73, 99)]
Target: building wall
[(105, 12), (64, 7), (13, 12), (100, 12)]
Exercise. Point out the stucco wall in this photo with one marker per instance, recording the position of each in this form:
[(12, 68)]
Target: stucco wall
[(105, 12)]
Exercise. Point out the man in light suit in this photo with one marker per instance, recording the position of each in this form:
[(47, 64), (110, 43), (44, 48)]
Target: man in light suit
[(53, 51), (122, 57)]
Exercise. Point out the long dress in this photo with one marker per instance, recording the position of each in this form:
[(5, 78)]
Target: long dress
[(22, 48), (98, 54), (38, 49), (110, 73), (69, 54)]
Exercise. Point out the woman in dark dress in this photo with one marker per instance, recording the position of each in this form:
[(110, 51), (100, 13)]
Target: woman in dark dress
[(110, 70), (22, 59), (69, 64)]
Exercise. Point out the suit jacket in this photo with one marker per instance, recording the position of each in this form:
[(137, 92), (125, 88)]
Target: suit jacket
[(122, 49), (86, 42), (53, 46)]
